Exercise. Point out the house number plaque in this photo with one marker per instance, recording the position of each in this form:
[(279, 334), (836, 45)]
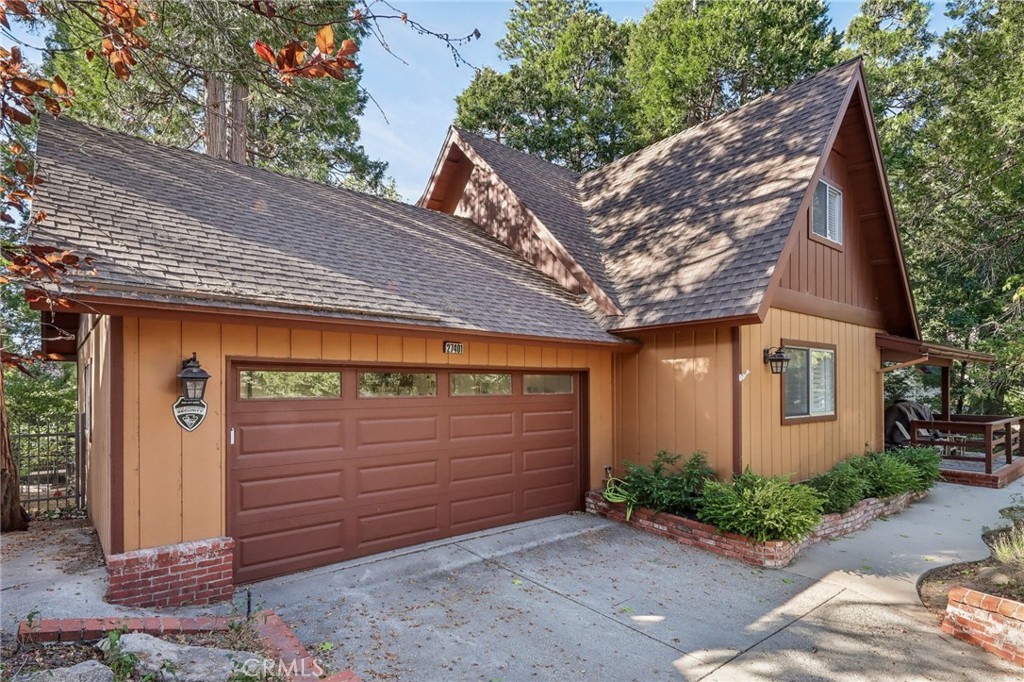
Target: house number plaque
[(453, 347), (189, 413)]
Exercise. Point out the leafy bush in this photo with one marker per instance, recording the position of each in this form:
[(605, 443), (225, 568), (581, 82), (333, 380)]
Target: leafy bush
[(761, 508), (886, 475), (664, 487), (925, 461), (841, 487)]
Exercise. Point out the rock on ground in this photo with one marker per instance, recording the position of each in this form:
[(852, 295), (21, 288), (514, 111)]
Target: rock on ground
[(87, 671), (184, 663)]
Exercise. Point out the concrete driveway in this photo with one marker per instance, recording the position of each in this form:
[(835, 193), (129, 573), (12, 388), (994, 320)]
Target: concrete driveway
[(578, 597)]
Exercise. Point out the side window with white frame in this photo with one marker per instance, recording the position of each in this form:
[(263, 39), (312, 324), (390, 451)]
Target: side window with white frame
[(809, 384), (827, 212)]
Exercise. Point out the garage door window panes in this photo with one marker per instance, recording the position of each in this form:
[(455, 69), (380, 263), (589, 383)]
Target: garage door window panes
[(481, 384), (288, 385), (547, 383), (397, 384)]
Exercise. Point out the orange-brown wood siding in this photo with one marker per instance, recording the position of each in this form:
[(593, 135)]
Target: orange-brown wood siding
[(175, 481), (94, 376), (676, 395), (487, 201), (840, 274), (801, 450)]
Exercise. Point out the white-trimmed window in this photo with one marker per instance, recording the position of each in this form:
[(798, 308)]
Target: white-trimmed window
[(809, 384), (827, 212)]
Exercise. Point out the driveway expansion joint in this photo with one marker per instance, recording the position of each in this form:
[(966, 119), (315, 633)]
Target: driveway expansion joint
[(569, 598), (773, 633)]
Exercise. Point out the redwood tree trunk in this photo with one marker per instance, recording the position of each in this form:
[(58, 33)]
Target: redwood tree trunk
[(14, 517)]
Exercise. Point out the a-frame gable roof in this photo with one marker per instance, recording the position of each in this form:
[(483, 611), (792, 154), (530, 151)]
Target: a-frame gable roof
[(876, 225), (693, 226)]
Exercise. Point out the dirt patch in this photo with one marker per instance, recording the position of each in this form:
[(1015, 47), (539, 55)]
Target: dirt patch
[(19, 659), (987, 576)]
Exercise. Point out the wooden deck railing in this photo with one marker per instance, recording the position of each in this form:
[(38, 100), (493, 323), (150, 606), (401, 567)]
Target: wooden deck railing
[(972, 437)]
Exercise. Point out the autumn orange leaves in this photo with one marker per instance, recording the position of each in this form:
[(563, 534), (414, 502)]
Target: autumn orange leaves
[(291, 61)]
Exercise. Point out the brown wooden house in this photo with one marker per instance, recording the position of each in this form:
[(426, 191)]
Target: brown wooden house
[(384, 375)]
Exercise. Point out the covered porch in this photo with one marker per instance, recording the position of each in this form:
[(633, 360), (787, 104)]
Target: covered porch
[(981, 450)]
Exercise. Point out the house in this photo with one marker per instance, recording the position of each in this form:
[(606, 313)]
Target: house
[(382, 375)]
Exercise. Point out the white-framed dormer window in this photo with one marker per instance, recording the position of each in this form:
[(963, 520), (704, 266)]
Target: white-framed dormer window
[(827, 212)]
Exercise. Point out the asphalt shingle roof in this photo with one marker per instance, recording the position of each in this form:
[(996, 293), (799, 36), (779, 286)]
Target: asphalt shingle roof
[(690, 228), (693, 227), (165, 224)]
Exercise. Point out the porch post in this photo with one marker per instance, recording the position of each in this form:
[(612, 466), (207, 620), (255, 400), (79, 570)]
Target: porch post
[(946, 412)]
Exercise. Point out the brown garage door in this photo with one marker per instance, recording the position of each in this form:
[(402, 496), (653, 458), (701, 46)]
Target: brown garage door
[(329, 464)]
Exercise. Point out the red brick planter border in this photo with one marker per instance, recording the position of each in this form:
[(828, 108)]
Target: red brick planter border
[(772, 554), (992, 623), (276, 636)]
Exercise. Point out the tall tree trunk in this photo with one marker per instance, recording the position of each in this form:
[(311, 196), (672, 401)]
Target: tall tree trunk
[(14, 517), (237, 145), (216, 119)]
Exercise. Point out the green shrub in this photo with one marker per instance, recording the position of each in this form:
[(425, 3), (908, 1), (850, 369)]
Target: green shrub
[(841, 487), (665, 487), (761, 508), (926, 463), (886, 475)]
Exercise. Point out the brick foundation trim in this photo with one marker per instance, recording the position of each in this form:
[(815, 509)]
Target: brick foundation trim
[(992, 623), (772, 554), (187, 574), (291, 657)]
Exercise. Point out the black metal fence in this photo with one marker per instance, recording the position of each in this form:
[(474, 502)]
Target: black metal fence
[(50, 466)]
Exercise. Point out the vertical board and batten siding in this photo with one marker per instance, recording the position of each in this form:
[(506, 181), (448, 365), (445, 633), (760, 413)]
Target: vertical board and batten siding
[(675, 394), (835, 274), (801, 450), (175, 485), (94, 352)]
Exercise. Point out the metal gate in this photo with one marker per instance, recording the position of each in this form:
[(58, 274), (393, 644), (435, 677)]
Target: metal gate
[(51, 466)]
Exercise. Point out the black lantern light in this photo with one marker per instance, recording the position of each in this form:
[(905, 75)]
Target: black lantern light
[(193, 379), (777, 359)]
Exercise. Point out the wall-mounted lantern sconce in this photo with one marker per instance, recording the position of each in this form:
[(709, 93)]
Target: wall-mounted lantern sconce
[(777, 359), (193, 379)]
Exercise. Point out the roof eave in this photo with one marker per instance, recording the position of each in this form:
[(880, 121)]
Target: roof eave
[(171, 306)]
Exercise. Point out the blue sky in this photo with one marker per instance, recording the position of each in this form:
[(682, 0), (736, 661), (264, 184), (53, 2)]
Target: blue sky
[(417, 99)]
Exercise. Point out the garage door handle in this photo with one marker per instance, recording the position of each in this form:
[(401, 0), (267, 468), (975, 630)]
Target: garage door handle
[(232, 436)]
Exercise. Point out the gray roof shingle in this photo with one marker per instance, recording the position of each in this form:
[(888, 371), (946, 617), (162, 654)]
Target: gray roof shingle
[(170, 225)]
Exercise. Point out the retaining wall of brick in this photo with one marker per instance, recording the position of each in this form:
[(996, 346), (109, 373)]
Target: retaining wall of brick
[(190, 573), (993, 623), (772, 554)]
